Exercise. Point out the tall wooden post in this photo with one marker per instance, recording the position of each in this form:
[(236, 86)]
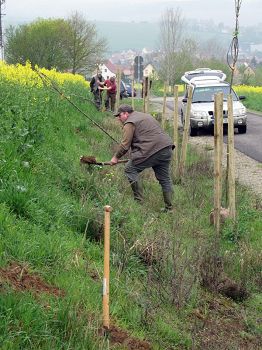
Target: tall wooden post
[(218, 144), (144, 94), (185, 133), (107, 210), (164, 107), (103, 98), (231, 160), (175, 127), (118, 84), (148, 94), (133, 87)]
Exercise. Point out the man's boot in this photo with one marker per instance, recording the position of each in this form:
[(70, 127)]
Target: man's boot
[(137, 191), (168, 201)]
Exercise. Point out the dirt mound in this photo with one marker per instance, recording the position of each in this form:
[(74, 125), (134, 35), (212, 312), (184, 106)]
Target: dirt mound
[(120, 336), (214, 279), (220, 326), (20, 279)]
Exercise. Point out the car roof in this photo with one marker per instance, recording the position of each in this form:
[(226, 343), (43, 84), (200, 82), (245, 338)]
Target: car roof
[(209, 83), (206, 75)]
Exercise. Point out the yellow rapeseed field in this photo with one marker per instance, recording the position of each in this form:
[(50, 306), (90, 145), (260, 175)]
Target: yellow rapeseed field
[(25, 75), (245, 89)]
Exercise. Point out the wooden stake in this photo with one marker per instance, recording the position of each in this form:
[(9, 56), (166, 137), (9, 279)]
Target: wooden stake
[(118, 84), (107, 210), (231, 160), (164, 107), (144, 94), (175, 126), (185, 133), (103, 97), (148, 94), (218, 144), (133, 87)]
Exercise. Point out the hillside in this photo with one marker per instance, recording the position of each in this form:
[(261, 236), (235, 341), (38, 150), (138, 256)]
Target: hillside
[(172, 286), (138, 35)]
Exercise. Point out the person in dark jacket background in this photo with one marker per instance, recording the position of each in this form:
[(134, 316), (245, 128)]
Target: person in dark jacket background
[(150, 147), (97, 87)]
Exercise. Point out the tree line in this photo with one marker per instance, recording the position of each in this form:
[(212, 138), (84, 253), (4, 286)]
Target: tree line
[(73, 45), (65, 44)]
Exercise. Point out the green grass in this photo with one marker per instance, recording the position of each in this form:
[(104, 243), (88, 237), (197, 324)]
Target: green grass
[(51, 216), (253, 101)]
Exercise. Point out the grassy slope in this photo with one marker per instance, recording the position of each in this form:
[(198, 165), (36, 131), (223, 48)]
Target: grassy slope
[(51, 214)]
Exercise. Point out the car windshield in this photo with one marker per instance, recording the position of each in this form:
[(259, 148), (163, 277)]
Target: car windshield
[(207, 93)]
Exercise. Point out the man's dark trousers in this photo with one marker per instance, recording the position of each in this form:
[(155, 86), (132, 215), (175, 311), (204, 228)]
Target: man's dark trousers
[(160, 163)]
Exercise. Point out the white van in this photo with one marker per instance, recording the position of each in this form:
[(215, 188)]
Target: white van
[(206, 83)]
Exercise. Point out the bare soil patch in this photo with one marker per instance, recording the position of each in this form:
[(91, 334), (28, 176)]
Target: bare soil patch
[(220, 325), (20, 279), (118, 336)]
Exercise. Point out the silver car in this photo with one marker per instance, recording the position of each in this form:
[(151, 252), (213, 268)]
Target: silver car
[(206, 83)]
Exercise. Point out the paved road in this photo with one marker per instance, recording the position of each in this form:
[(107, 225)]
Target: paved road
[(249, 143)]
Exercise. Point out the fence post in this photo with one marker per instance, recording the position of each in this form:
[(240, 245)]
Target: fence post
[(148, 94), (118, 83), (133, 101), (175, 127), (164, 107), (144, 94), (218, 144), (231, 160), (107, 210), (185, 133)]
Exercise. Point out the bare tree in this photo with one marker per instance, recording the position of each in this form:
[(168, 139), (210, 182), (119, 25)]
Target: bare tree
[(85, 49), (212, 49), (185, 58), (171, 34)]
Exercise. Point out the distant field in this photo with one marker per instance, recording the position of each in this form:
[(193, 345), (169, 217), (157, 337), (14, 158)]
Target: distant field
[(123, 35)]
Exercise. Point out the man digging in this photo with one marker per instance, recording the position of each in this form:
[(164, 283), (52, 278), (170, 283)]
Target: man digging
[(150, 147)]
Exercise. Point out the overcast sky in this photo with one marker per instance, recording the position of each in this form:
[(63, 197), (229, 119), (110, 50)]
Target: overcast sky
[(134, 10)]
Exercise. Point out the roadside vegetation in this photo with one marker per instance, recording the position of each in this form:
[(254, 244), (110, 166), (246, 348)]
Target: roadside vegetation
[(169, 276), (253, 96)]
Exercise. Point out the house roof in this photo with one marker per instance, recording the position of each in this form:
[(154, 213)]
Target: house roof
[(148, 64), (111, 66), (127, 71)]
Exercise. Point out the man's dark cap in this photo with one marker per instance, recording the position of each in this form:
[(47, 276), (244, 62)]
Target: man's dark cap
[(123, 108)]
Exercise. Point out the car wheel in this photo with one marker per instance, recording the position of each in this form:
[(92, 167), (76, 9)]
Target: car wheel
[(242, 129), (193, 131), (182, 118)]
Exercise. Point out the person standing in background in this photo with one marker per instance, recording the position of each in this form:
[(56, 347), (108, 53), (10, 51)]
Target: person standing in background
[(111, 94), (97, 87)]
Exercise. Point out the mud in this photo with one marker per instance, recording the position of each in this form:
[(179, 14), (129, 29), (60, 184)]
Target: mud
[(88, 160), (20, 279), (119, 336)]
